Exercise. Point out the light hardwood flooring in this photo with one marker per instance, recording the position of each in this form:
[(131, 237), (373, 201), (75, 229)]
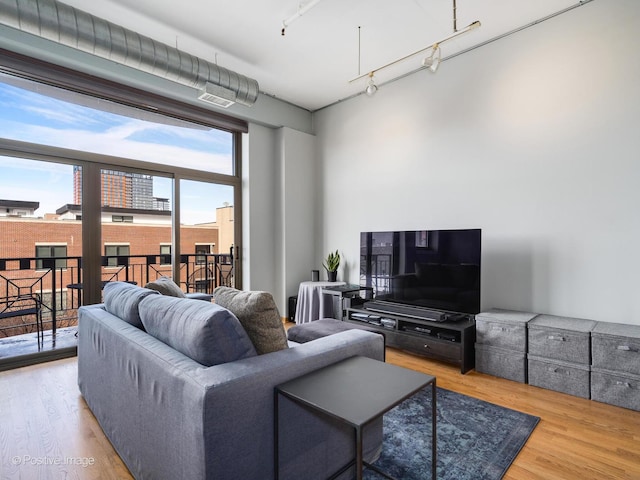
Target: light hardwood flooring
[(44, 420)]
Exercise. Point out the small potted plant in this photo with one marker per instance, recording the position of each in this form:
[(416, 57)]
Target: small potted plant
[(331, 264)]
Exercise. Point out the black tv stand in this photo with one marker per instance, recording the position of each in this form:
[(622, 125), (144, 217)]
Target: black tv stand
[(451, 341)]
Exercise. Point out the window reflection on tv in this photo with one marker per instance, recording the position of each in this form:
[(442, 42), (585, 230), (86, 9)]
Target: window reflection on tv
[(436, 269)]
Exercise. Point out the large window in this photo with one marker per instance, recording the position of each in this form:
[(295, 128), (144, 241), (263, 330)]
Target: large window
[(131, 161)]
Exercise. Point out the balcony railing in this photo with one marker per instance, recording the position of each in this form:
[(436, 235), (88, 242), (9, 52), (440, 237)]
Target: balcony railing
[(55, 285)]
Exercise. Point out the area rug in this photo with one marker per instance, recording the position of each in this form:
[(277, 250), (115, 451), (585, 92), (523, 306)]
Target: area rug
[(476, 440)]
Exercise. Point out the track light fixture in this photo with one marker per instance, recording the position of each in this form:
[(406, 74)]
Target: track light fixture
[(431, 61), (372, 88), (302, 9)]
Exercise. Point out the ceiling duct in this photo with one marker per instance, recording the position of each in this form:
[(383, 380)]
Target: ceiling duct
[(74, 28)]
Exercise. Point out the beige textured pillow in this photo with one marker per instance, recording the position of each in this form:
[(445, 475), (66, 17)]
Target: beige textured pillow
[(165, 286), (258, 314)]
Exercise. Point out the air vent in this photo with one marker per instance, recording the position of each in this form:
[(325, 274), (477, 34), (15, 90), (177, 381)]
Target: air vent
[(217, 95)]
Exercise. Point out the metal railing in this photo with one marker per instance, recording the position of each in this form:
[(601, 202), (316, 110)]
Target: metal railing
[(57, 283), (380, 274)]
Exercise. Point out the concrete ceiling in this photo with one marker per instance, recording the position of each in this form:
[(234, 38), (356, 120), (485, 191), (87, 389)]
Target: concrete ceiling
[(312, 65)]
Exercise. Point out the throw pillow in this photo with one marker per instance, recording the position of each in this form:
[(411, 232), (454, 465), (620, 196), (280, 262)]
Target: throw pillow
[(122, 300), (259, 316), (204, 332), (165, 286)]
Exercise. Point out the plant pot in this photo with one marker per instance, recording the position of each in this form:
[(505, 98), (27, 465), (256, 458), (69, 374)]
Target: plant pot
[(332, 276)]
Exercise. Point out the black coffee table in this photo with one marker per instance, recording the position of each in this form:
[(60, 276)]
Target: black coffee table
[(357, 391)]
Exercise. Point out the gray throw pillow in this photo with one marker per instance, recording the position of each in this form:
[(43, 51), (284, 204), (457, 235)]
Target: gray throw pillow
[(204, 332), (165, 286), (259, 316), (122, 299)]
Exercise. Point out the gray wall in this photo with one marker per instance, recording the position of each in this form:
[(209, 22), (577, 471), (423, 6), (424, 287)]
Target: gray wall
[(259, 205), (297, 186), (279, 198), (533, 138)]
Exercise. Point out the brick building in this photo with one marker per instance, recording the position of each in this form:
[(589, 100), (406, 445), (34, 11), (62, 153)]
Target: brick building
[(43, 255), (19, 237)]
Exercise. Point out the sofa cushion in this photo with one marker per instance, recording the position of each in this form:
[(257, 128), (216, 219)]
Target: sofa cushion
[(259, 316), (165, 286), (122, 299), (205, 332)]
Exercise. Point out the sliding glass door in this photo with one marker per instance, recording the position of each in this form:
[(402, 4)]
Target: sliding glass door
[(93, 191)]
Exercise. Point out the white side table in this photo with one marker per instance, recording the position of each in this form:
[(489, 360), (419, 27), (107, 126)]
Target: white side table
[(312, 303)]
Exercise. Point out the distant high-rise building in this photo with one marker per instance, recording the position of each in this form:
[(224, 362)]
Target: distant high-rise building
[(121, 190)]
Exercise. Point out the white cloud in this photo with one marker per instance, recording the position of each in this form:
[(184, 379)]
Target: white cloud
[(115, 142)]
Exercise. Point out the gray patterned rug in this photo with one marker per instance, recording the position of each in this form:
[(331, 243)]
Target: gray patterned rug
[(476, 440)]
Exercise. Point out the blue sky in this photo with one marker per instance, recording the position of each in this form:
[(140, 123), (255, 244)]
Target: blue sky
[(32, 117)]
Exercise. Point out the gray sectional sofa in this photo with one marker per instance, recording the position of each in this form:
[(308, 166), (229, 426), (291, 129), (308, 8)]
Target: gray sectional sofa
[(169, 416)]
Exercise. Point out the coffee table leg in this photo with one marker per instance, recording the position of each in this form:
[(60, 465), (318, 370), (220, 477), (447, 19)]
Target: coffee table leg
[(434, 438)]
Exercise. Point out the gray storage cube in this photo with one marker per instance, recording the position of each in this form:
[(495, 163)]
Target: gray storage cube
[(616, 347), (501, 362), (561, 338), (616, 389), (503, 328), (560, 376)]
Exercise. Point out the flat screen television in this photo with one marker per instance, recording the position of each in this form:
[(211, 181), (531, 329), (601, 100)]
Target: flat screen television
[(429, 269)]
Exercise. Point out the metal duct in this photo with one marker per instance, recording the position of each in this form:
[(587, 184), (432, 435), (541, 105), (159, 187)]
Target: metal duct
[(74, 28)]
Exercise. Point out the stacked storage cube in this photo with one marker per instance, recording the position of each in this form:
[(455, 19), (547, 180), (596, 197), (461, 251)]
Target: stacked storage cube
[(560, 354), (615, 374), (501, 343)]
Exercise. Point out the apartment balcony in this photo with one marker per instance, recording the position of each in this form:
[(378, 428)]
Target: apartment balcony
[(40, 297)]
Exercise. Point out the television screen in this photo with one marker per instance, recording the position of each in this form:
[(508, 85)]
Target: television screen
[(435, 269)]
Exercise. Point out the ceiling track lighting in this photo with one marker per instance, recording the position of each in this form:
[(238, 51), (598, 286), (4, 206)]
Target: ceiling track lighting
[(431, 61), (372, 88), (301, 11)]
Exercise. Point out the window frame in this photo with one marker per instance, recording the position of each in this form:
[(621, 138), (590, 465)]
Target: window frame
[(164, 255), (61, 260), (110, 257)]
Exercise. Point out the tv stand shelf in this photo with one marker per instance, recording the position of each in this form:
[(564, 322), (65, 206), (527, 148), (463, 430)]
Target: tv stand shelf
[(449, 341)]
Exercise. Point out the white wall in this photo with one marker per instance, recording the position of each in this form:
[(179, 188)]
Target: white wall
[(296, 185), (258, 207), (279, 198), (533, 138)]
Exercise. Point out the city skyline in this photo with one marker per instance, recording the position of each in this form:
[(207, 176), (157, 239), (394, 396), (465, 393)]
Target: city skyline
[(51, 185)]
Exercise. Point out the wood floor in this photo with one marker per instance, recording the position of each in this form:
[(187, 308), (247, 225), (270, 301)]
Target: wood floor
[(47, 431)]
